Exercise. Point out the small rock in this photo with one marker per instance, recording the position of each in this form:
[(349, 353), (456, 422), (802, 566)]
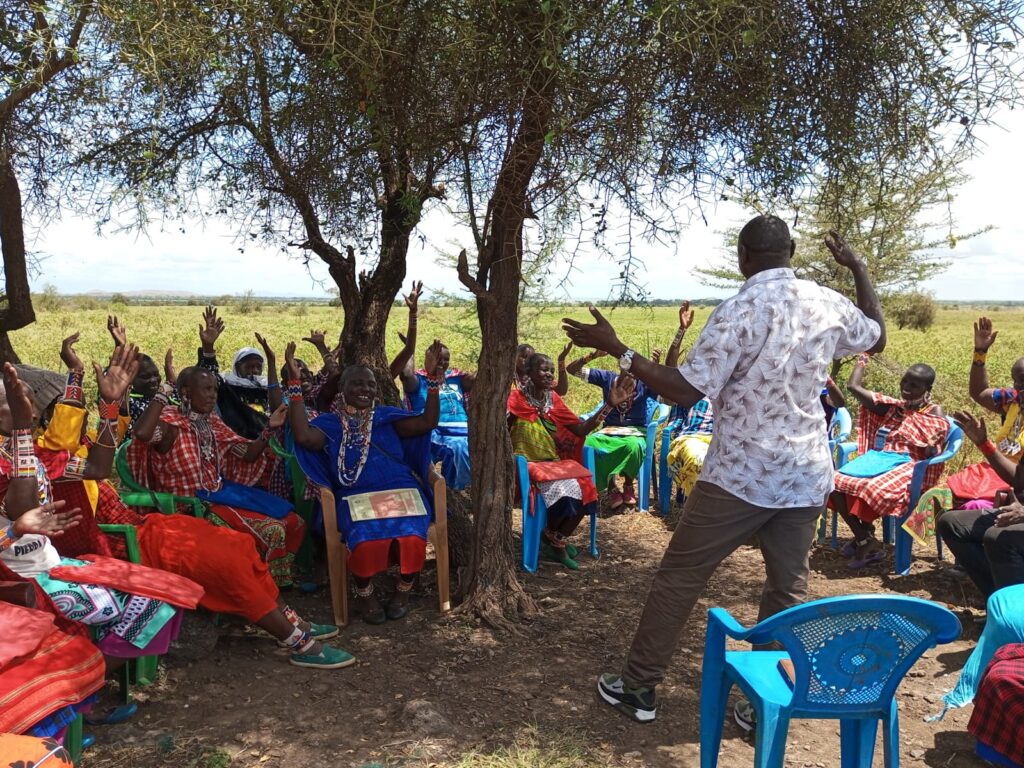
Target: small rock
[(932, 698), (636, 755), (917, 753), (424, 718)]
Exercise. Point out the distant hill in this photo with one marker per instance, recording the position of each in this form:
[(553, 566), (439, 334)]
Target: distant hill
[(144, 294)]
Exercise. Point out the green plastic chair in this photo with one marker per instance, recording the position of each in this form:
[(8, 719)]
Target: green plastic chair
[(135, 495)]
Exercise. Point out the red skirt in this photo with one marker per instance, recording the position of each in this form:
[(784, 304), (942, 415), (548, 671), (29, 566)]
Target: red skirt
[(371, 557)]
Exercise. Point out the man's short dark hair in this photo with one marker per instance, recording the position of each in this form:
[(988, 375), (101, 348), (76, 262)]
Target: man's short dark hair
[(766, 235)]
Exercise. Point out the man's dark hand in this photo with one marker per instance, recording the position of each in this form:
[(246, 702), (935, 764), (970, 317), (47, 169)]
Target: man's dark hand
[(600, 335)]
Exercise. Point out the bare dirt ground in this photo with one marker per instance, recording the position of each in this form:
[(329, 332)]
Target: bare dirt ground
[(437, 692)]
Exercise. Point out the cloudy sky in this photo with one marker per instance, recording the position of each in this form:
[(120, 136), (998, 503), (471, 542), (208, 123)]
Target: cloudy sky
[(207, 259)]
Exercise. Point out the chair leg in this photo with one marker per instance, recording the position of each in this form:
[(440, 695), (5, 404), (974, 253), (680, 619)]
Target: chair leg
[(124, 676), (533, 526), (857, 742), (904, 550), (73, 739), (593, 536), (713, 697), (891, 737), (772, 730), (343, 587), (835, 528), (644, 486)]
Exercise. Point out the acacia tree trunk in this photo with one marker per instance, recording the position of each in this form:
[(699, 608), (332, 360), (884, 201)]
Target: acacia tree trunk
[(16, 305), (494, 591)]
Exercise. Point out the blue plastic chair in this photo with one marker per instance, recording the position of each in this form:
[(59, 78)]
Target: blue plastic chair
[(665, 478), (839, 430), (892, 527), (849, 654), (657, 414), (534, 521)]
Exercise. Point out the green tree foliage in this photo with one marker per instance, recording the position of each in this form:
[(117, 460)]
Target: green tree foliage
[(913, 309)]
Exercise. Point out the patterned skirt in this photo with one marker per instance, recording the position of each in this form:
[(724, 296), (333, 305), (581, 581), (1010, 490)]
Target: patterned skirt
[(125, 626), (276, 540), (617, 455), (686, 459)]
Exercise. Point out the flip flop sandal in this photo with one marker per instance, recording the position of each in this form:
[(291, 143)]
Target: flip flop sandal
[(849, 549), (116, 715), (615, 500), (870, 559)]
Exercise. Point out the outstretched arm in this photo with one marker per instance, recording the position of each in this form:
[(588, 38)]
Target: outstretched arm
[(864, 396), (23, 489), (623, 387), (562, 385), (685, 321), (113, 383), (405, 355), (209, 332), (575, 368), (306, 435), (981, 392), (977, 433), (273, 383), (836, 398), (422, 423), (867, 299), (664, 381)]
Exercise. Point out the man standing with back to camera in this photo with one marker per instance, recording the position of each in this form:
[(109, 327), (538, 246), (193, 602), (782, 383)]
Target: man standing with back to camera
[(762, 360)]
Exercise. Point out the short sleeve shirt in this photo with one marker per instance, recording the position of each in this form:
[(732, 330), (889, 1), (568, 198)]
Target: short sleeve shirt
[(762, 360)]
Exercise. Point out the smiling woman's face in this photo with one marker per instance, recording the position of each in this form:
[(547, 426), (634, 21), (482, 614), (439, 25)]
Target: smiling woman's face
[(359, 388)]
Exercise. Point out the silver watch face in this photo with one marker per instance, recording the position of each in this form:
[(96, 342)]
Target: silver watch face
[(625, 361)]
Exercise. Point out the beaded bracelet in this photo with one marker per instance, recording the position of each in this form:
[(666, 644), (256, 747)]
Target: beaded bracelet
[(863, 359), (293, 392), (603, 413), (24, 458), (979, 357), (678, 338), (109, 411), (73, 388), (266, 434), (274, 385), (161, 398), (433, 385), (988, 448), (412, 319)]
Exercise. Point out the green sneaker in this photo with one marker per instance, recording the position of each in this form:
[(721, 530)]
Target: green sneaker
[(570, 550), (640, 704), (328, 658), (552, 554), (322, 631)]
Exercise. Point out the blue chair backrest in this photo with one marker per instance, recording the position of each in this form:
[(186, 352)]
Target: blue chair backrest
[(841, 425), (850, 653)]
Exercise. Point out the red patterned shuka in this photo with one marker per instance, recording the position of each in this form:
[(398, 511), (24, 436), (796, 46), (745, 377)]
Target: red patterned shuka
[(999, 705), (918, 433)]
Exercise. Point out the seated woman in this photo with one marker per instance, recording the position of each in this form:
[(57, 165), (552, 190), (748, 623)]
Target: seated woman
[(976, 486), (49, 668), (550, 436), (245, 397), (524, 352), (188, 450), (376, 460), (449, 442), (877, 482), (621, 443), (690, 443), (128, 625), (235, 578), (988, 542)]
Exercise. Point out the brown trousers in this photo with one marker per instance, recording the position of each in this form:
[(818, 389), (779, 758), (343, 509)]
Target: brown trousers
[(713, 526)]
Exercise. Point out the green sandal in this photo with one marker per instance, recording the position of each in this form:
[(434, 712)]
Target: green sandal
[(550, 553)]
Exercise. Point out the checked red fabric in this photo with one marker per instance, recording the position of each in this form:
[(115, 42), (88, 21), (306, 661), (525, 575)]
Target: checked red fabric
[(999, 705)]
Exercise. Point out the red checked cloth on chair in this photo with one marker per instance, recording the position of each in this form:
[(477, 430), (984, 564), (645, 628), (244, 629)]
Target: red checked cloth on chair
[(42, 669), (918, 433), (567, 469), (999, 704)]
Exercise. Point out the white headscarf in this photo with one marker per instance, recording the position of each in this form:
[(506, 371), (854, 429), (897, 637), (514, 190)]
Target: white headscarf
[(251, 382)]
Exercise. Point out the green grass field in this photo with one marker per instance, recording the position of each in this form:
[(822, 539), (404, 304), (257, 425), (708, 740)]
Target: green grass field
[(947, 346)]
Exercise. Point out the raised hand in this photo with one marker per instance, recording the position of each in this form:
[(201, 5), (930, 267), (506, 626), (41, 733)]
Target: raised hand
[(972, 426), (685, 316), (841, 251), (170, 374), (433, 359), (412, 300), (17, 399), (656, 356), (294, 374), (984, 336), (212, 327), (268, 353), (117, 331), (318, 339), (47, 520), (278, 417), (600, 335), (68, 355), (115, 381), (622, 390), (565, 352)]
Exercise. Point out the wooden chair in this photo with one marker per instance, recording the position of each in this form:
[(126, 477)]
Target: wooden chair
[(337, 552)]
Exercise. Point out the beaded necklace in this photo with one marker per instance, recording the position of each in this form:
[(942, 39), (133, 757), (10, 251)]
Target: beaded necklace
[(43, 486), (543, 404), (356, 431)]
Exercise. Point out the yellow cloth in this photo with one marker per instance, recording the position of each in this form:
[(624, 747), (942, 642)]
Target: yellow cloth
[(64, 433), (1012, 430), (686, 458), (532, 440)]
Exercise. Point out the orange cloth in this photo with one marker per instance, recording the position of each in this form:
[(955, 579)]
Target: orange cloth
[(32, 751), (371, 557), (32, 628), (156, 583), (224, 561)]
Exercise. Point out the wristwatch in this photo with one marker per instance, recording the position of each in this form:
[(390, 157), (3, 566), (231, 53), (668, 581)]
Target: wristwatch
[(626, 361)]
